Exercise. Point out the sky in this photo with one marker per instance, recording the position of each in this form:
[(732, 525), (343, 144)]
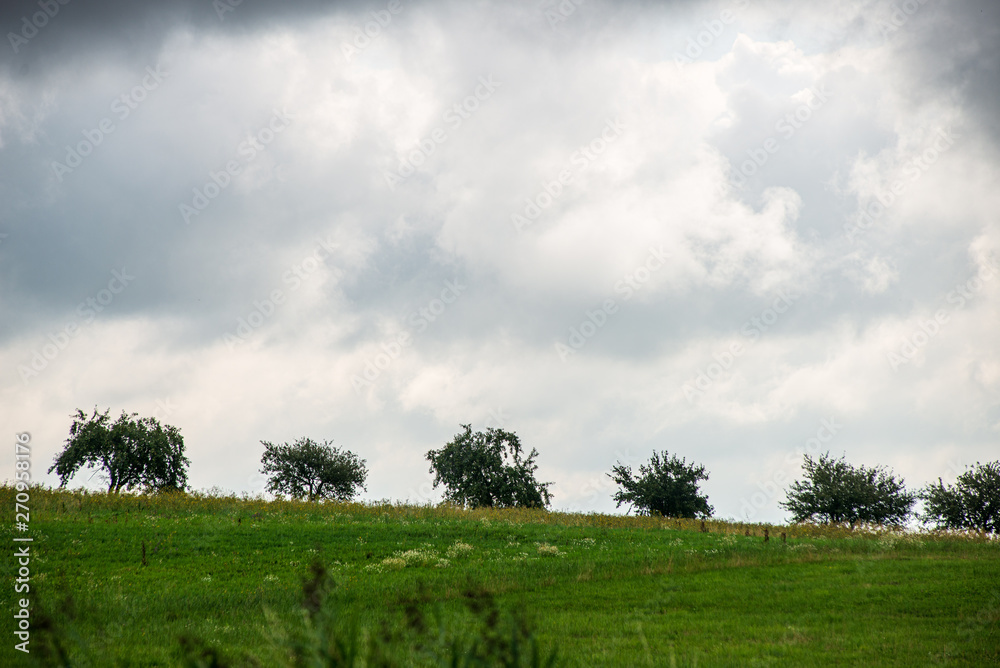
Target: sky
[(737, 231)]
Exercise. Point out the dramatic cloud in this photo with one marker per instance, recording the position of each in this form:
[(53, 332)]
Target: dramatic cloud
[(738, 231)]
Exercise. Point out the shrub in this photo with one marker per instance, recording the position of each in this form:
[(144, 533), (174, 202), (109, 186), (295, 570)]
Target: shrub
[(486, 469), (835, 491), (666, 486), (973, 502)]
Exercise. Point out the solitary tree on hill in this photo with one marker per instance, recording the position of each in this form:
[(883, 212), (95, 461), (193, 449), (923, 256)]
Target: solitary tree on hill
[(667, 486), (311, 470), (835, 491), (131, 452), (486, 469)]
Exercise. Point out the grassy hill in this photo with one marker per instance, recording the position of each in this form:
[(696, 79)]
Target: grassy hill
[(202, 580)]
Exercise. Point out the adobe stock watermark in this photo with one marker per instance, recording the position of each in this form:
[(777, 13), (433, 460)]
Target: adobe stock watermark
[(246, 152), (364, 36), (22, 518), (552, 189), (929, 328), (787, 125), (987, 617), (628, 286), (899, 16), (419, 321), (425, 493), (164, 409), (122, 106), (955, 468), (752, 329), (560, 13), (457, 114), (495, 418), (223, 7), (771, 488), (713, 29), (293, 278), (257, 484), (87, 310), (914, 169), (38, 20), (602, 483)]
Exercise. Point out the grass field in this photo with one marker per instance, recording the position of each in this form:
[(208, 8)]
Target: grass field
[(197, 580)]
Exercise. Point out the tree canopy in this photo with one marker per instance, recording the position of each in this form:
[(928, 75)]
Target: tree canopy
[(487, 469), (667, 486), (973, 502), (307, 469), (835, 491), (131, 452)]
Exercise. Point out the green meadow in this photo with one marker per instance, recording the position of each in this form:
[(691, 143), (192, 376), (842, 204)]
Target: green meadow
[(196, 580)]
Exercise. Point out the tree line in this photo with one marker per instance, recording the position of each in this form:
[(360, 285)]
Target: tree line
[(491, 469)]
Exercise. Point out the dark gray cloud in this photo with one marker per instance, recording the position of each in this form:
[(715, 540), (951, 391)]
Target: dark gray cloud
[(136, 30)]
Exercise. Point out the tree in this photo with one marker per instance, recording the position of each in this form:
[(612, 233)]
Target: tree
[(666, 487), (835, 491), (486, 469), (973, 502), (307, 469), (131, 451)]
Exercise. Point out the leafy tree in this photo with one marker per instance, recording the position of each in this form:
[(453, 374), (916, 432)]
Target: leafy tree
[(307, 469), (973, 502), (486, 469), (131, 451), (666, 487), (835, 491)]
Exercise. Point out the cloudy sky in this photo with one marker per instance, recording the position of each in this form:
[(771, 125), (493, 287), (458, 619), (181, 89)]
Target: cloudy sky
[(736, 231)]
